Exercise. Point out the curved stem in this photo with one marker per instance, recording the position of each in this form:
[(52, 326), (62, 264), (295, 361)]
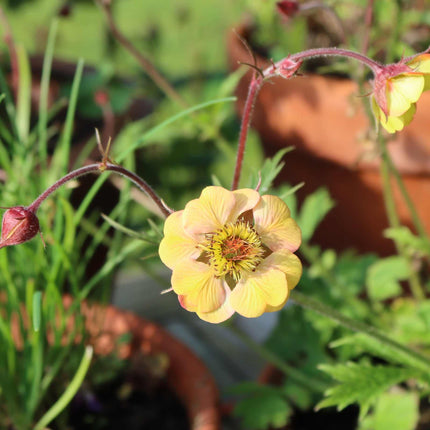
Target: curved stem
[(254, 87), (98, 168), (326, 52), (274, 70), (410, 356), (162, 83)]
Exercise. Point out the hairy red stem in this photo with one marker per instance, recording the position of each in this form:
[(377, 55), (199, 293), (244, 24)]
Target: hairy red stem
[(98, 168)]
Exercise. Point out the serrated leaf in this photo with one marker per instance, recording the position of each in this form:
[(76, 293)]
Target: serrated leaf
[(377, 349), (382, 280), (394, 411), (314, 209), (360, 383), (271, 169), (262, 411)]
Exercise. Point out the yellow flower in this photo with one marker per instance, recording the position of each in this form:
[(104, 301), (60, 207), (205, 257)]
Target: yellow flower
[(232, 251), (397, 88)]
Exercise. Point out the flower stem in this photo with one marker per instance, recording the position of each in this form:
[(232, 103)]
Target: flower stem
[(326, 52), (409, 203), (408, 355), (275, 70), (162, 83), (98, 168), (254, 87), (393, 218), (296, 375)]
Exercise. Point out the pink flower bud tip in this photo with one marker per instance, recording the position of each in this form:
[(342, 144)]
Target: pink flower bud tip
[(287, 8), (19, 225)]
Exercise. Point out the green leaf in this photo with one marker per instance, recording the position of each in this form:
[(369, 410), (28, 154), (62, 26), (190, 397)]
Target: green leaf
[(361, 383), (394, 411), (263, 410), (37, 312), (299, 396), (23, 107), (314, 209), (271, 169), (383, 277), (403, 236)]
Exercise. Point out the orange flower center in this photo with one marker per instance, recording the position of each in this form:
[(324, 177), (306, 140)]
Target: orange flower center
[(233, 250)]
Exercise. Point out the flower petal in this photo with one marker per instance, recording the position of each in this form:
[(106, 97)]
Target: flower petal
[(421, 63), (279, 307), (176, 245), (224, 312), (275, 226), (196, 281), (393, 123), (209, 212), (403, 90), (246, 199), (252, 294), (287, 262)]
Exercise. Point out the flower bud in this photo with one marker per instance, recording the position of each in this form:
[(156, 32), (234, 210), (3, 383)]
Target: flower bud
[(19, 225), (396, 89), (287, 8), (287, 68)]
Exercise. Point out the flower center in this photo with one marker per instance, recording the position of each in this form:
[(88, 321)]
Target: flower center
[(233, 249)]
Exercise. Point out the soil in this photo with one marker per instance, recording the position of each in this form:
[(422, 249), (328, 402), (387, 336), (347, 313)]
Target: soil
[(136, 399), (325, 419)]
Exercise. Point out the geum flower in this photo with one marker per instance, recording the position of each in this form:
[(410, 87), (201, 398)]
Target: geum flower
[(397, 88), (232, 251)]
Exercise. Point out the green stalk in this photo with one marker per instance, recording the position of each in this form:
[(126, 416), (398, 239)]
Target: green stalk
[(44, 90), (23, 104), (296, 375), (409, 356), (393, 218), (187, 112), (61, 156), (36, 354), (409, 203), (70, 392)]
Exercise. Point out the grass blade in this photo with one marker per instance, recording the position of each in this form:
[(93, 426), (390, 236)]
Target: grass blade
[(44, 90), (70, 392)]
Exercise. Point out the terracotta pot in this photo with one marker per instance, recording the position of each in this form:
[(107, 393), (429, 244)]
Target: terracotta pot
[(188, 377), (323, 118)]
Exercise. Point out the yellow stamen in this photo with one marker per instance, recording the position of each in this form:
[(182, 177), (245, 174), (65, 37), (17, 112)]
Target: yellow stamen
[(233, 249)]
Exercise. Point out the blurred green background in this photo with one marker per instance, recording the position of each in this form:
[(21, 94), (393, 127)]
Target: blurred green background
[(182, 37)]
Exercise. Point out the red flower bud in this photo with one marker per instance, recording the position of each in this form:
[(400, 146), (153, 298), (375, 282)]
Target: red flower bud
[(287, 8), (19, 225)]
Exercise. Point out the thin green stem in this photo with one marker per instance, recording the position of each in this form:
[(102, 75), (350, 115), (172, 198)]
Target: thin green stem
[(70, 392), (395, 33), (44, 90), (408, 355), (393, 218), (405, 194), (296, 375)]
